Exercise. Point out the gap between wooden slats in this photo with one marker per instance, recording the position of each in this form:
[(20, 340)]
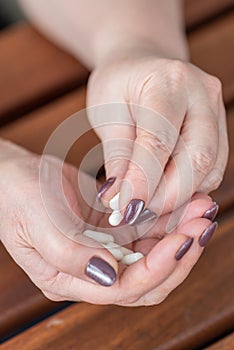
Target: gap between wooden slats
[(226, 343)]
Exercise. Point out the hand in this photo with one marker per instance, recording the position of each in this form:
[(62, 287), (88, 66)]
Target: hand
[(41, 225), (171, 146), (42, 230)]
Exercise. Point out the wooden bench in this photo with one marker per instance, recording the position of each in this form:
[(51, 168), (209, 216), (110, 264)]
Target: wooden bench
[(197, 314)]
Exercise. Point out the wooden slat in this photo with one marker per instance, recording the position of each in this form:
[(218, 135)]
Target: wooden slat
[(226, 343), (43, 122), (200, 11), (198, 311), (33, 71), (212, 49), (20, 301)]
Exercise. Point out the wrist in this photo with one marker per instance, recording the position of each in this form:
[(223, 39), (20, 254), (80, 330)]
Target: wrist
[(138, 48), (159, 32)]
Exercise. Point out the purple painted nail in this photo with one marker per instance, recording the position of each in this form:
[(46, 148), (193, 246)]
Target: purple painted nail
[(212, 212), (100, 271), (184, 248), (109, 182), (207, 234), (145, 216), (133, 210)]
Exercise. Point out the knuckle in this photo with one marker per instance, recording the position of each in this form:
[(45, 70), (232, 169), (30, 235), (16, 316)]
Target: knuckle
[(52, 296), (159, 299), (173, 74), (117, 150), (131, 299), (135, 171), (153, 299), (215, 179), (160, 141), (203, 160), (176, 71), (214, 86), (127, 298)]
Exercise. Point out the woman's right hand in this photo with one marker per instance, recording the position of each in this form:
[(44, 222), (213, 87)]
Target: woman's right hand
[(42, 230)]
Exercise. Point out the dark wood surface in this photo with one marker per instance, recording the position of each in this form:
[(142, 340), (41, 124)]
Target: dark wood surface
[(212, 49), (21, 302), (198, 311), (201, 309), (226, 343), (200, 11), (33, 71)]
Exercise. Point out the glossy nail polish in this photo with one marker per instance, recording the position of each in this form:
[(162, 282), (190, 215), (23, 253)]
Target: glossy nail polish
[(100, 271), (133, 210), (184, 248), (145, 216), (212, 212), (109, 182), (207, 234)]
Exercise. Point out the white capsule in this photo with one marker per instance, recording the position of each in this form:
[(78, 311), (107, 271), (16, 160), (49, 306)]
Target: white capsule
[(126, 251), (115, 218), (131, 258), (116, 252), (113, 245), (114, 202), (100, 237)]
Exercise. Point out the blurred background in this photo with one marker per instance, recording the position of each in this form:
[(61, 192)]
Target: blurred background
[(10, 13)]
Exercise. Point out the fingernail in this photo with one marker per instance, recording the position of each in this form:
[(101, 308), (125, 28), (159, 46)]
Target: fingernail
[(133, 210), (145, 216), (109, 182), (212, 212), (100, 271), (207, 234), (184, 248)]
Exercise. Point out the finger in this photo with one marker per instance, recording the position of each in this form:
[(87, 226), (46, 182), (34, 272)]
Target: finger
[(193, 228), (113, 124), (150, 271), (133, 281), (157, 134), (197, 207), (193, 158), (57, 285), (73, 256), (213, 180)]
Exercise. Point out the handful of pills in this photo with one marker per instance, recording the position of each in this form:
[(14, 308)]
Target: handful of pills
[(121, 254)]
